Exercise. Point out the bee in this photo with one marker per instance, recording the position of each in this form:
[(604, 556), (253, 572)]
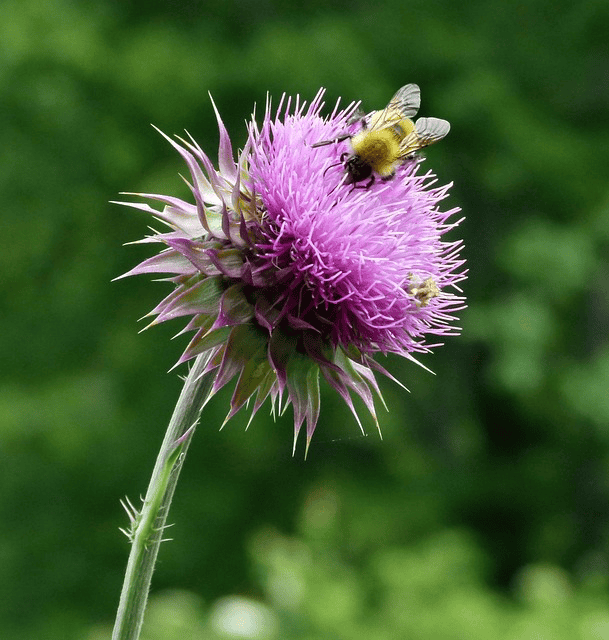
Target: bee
[(388, 138)]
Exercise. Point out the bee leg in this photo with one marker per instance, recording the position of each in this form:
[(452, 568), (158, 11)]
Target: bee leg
[(324, 143), (366, 186)]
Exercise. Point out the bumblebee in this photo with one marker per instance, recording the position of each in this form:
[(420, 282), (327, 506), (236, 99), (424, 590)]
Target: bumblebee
[(388, 138)]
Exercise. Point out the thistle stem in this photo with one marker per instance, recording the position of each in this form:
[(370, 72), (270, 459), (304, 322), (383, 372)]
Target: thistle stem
[(147, 526)]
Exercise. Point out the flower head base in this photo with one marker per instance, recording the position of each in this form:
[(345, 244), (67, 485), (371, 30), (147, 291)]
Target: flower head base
[(286, 270)]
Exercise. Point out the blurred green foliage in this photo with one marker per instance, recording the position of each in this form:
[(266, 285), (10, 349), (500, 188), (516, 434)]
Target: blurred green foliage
[(484, 512)]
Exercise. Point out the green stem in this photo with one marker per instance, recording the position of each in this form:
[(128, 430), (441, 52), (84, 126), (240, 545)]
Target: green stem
[(147, 527)]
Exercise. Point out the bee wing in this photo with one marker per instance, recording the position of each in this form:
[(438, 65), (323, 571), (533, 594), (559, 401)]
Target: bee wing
[(430, 130), (426, 132), (406, 101), (404, 104)]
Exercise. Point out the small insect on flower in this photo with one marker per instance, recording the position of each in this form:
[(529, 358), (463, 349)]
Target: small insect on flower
[(388, 138)]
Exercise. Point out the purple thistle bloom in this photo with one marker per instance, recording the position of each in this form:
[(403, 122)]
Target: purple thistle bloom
[(286, 270)]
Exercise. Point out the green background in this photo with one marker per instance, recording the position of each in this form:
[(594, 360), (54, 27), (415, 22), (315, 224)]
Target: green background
[(484, 511)]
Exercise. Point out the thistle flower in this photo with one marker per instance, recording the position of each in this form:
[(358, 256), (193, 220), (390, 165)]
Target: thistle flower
[(285, 271)]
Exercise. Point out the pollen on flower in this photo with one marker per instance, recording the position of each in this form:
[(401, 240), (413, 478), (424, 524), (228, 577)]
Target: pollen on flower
[(285, 272), (424, 292)]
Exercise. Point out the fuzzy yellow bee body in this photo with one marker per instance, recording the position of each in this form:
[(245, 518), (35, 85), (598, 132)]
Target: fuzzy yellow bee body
[(381, 148), (389, 137)]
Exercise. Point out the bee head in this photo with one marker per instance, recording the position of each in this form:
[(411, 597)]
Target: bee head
[(357, 169)]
